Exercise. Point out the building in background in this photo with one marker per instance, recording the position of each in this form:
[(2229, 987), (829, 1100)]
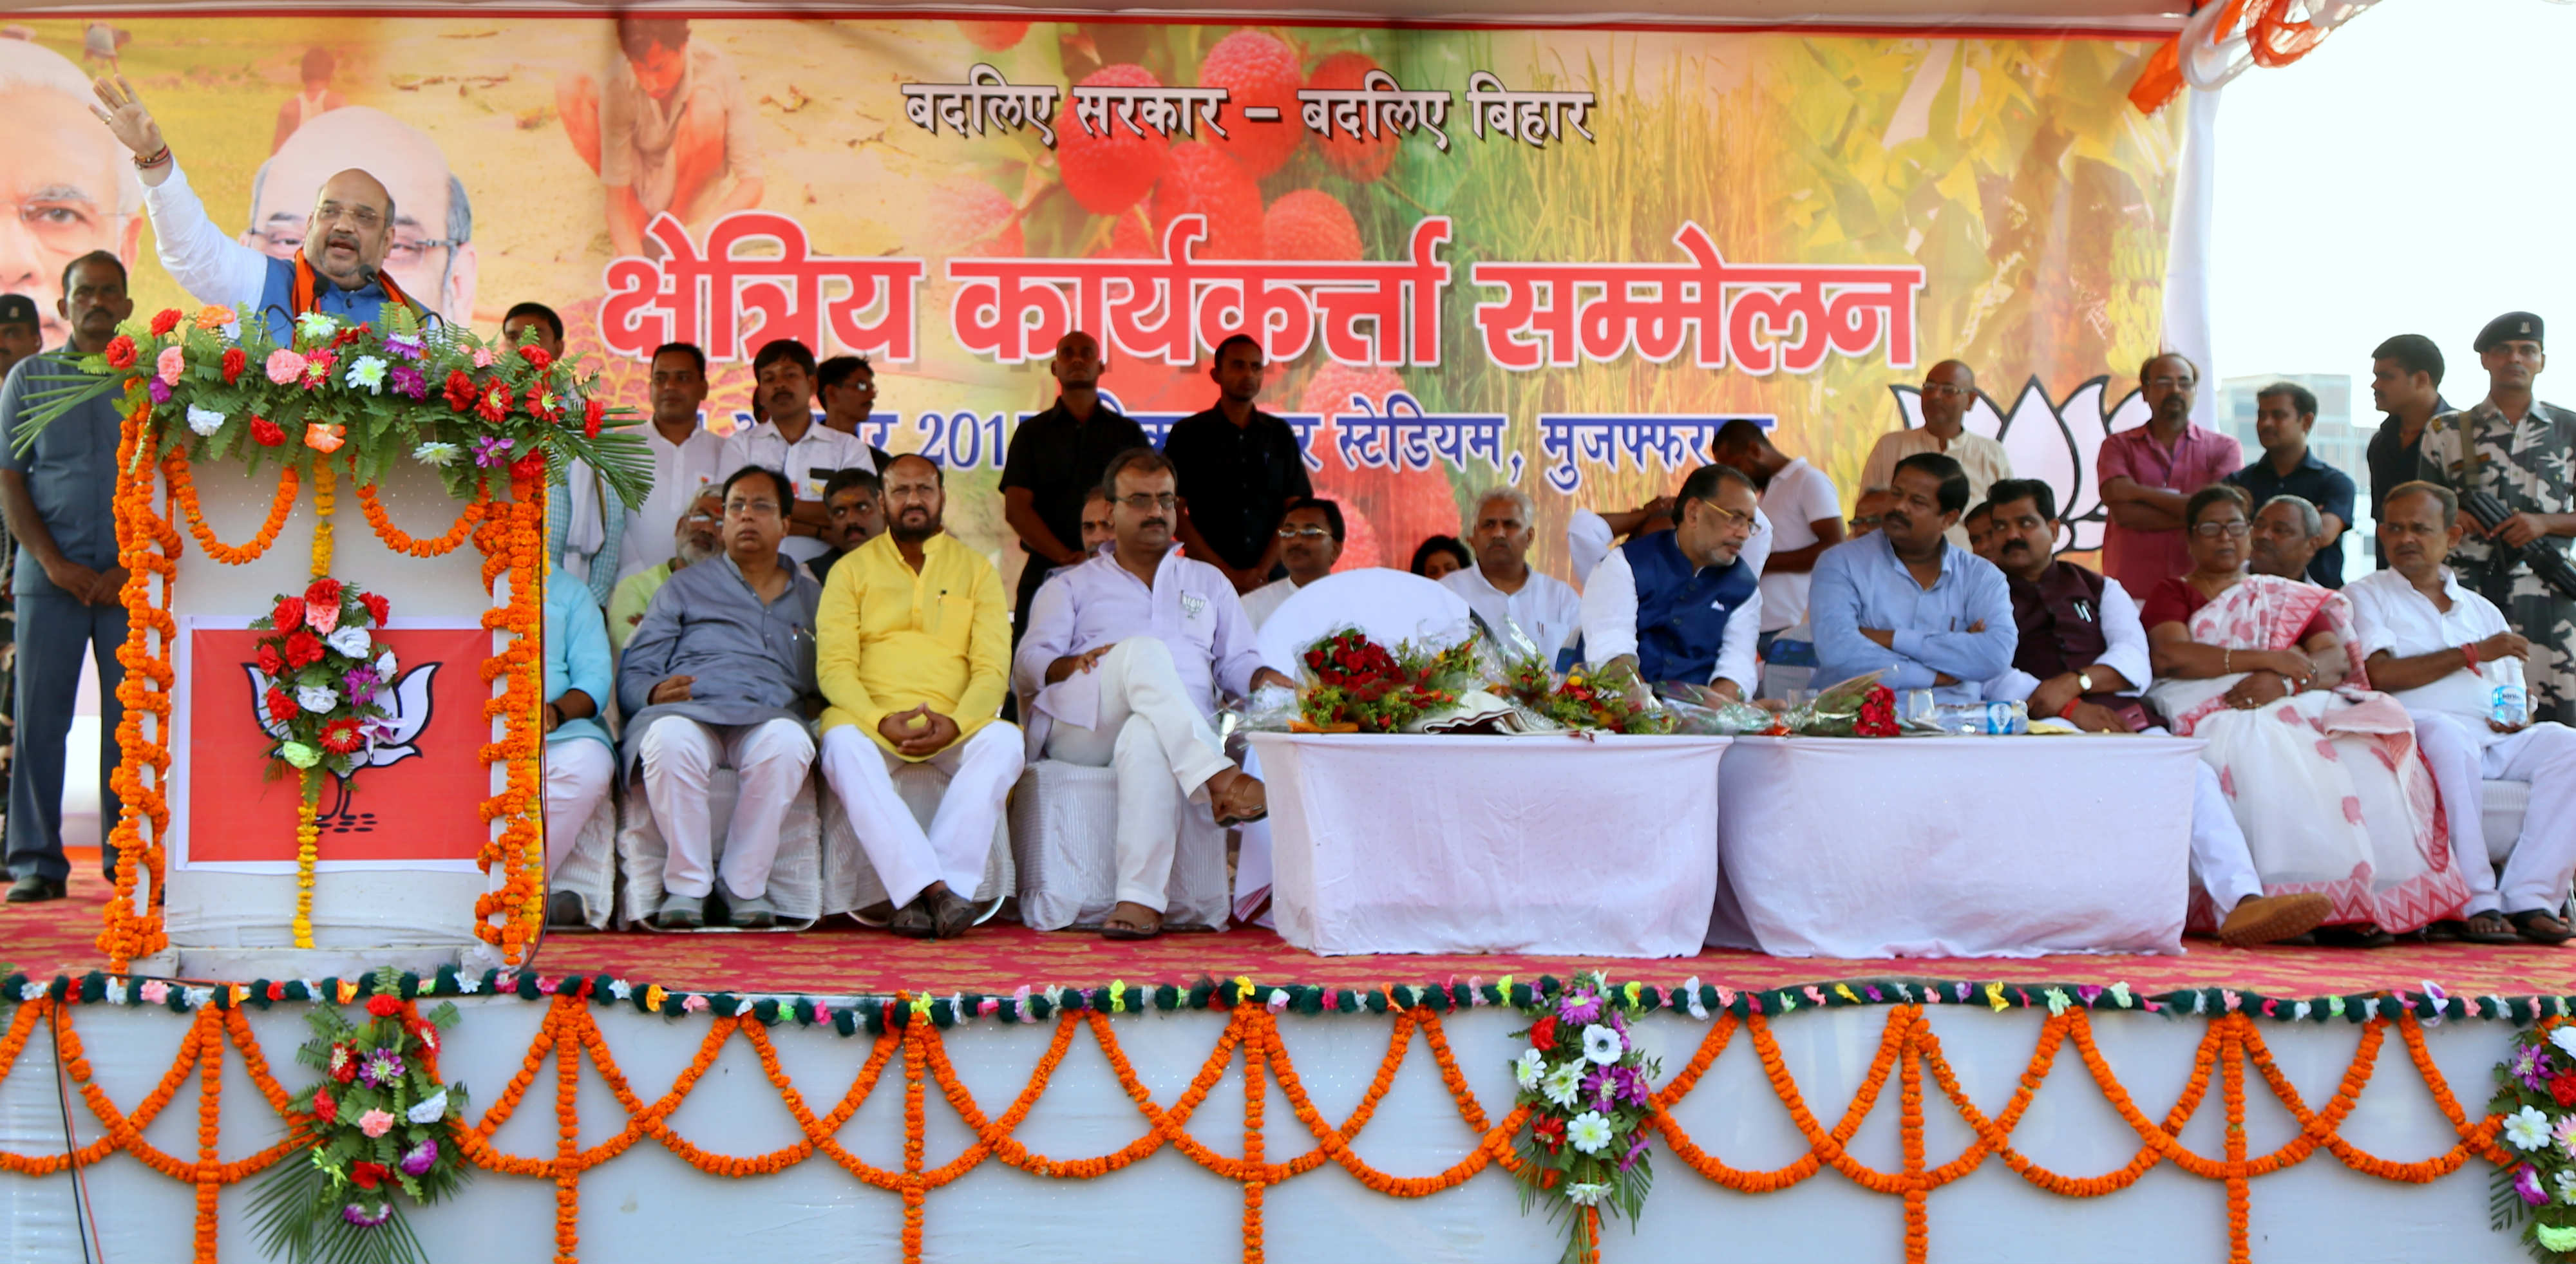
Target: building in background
[(2337, 440)]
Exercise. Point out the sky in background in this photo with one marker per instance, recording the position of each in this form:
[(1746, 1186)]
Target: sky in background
[(2414, 174)]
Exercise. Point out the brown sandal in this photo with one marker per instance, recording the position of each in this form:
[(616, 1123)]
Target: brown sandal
[(1231, 809), (2540, 926)]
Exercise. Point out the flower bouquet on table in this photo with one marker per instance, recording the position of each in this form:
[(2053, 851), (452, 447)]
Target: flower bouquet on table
[(1610, 701), (1703, 712), (1355, 685), (1858, 707), (1589, 1090), (2536, 1095), (378, 1128), (218, 383)]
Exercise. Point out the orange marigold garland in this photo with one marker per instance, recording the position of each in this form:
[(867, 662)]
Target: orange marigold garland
[(148, 548), (512, 539)]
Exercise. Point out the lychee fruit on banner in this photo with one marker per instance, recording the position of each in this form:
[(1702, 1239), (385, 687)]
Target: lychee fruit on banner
[(1310, 224), (1362, 158), (1402, 506), (993, 36), (1200, 181), (1257, 69), (970, 219), (1110, 172)]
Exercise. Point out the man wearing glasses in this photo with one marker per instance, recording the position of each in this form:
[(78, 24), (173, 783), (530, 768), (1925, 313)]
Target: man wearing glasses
[(432, 253), (1310, 542), (2149, 472), (1683, 605), (339, 264), (1908, 603), (1949, 390), (66, 188), (719, 673)]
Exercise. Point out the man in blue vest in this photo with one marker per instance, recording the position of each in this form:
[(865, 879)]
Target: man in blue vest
[(1683, 605), (338, 271)]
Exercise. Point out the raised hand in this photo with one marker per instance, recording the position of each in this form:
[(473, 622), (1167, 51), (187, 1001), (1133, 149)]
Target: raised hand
[(122, 109)]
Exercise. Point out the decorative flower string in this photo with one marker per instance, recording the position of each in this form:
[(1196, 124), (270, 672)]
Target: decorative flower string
[(511, 538), (308, 803), (183, 489), (148, 548)]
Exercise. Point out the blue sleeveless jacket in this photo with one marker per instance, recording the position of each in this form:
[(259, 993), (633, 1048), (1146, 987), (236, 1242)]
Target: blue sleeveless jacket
[(1682, 609), (364, 305)]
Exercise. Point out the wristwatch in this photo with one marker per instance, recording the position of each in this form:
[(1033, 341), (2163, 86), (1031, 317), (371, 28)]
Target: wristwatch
[(2084, 681)]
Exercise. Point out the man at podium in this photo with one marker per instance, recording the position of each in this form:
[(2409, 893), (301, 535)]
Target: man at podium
[(337, 271)]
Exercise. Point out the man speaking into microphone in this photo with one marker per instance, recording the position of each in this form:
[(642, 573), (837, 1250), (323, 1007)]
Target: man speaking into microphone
[(338, 271)]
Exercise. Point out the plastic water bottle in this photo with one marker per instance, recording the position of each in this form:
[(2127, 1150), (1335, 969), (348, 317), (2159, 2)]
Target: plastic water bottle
[(2508, 702), (1979, 719)]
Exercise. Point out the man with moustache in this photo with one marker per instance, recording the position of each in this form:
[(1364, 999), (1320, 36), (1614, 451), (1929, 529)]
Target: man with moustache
[(2284, 413), (59, 495), (65, 184), (2515, 448), (2405, 384), (1909, 603), (432, 254), (695, 538), (1982, 539), (2288, 533), (1805, 510), (685, 456), (791, 440), (1124, 655), (1949, 391), (856, 501), (914, 657), (1310, 542), (1525, 611), (1240, 469), (1683, 606), (352, 220), (2148, 473), (1056, 458), (2424, 638)]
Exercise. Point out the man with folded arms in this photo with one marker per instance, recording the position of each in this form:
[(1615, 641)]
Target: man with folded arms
[(1683, 605), (1310, 541), (2082, 657), (914, 655), (2424, 637), (1910, 604), (1124, 653), (1527, 612), (719, 672)]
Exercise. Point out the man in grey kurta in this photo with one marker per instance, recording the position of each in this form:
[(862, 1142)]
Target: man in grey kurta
[(2525, 456), (60, 498), (720, 672)]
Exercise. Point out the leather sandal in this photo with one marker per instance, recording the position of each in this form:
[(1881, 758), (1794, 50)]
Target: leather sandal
[(950, 914), (913, 921), (2540, 926), (2491, 928), (1239, 804)]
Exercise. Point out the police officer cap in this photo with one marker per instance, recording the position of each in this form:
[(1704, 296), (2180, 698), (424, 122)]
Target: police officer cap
[(17, 309), (2510, 327)]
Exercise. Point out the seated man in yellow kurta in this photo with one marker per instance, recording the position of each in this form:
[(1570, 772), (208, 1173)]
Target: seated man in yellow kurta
[(913, 646)]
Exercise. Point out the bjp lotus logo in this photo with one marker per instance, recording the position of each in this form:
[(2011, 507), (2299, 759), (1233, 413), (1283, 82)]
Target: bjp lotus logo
[(390, 740), (2052, 441)]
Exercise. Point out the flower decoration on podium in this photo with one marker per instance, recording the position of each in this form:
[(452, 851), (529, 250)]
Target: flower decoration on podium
[(2536, 1097), (1589, 1092)]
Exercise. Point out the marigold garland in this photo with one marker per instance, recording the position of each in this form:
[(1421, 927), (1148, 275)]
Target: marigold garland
[(512, 540), (183, 491)]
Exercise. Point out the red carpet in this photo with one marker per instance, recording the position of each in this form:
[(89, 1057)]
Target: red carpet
[(59, 937)]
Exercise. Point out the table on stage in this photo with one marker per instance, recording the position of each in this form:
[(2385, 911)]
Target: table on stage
[(1541, 844), (1954, 847)]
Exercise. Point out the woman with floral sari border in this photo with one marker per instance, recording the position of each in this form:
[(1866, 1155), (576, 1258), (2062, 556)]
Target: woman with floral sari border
[(2321, 773)]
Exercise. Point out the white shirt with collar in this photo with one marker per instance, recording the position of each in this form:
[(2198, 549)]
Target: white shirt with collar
[(1263, 602), (682, 472), (1799, 496), (1192, 608), (1546, 612), (1609, 614), (2389, 614), (2125, 652), (809, 463)]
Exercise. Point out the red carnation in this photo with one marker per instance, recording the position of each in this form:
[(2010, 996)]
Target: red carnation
[(234, 363), (280, 707), (323, 592), (303, 649), (1543, 1034), (460, 390), (536, 357), (289, 614), (120, 352), (1550, 1132), (378, 609), (268, 433), (2563, 1088), (325, 1107), (270, 661), (366, 1175), (531, 467), (592, 413), (494, 403), (341, 736), (383, 1006), (166, 321), (349, 334)]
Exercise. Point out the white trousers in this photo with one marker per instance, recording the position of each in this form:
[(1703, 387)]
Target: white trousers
[(2536, 872), (577, 774), (981, 771), (769, 760), (1162, 749), (2220, 857)]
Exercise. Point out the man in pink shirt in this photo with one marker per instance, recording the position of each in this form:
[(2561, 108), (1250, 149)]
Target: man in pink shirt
[(2148, 472)]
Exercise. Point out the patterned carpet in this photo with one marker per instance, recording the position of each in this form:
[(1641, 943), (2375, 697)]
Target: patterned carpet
[(59, 937)]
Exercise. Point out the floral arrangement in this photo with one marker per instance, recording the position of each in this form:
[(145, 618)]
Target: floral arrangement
[(1355, 685), (2536, 1095), (1602, 701), (1859, 707), (439, 395), (325, 672), (1588, 1090), (379, 1124)]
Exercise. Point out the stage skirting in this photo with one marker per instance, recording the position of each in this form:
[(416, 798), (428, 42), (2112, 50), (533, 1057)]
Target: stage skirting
[(1874, 1120)]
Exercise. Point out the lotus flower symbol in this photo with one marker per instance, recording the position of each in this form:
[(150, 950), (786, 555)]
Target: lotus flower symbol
[(390, 740), (2052, 441)]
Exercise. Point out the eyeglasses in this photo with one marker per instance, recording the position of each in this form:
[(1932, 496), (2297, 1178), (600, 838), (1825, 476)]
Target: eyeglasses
[(404, 252), (2236, 530), (752, 508), (1143, 501), (1303, 533), (1727, 517), (1870, 520), (362, 215)]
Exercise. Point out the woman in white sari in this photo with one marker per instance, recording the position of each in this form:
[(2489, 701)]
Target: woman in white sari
[(2322, 773)]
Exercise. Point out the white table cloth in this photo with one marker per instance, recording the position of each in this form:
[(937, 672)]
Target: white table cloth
[(1546, 844), (1954, 847)]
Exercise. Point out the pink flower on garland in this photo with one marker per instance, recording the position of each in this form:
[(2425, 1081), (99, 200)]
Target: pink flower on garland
[(172, 363), (376, 1123)]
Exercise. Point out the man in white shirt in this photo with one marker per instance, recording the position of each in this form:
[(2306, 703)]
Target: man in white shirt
[(1683, 605), (1124, 653), (685, 455), (1310, 542), (585, 521), (1527, 612), (1806, 516), (792, 440), (2424, 638), (1949, 391)]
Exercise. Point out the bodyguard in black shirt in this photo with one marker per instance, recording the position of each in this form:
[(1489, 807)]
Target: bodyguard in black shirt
[(1056, 458), (1240, 469)]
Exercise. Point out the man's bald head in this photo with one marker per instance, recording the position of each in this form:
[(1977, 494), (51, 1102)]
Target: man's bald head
[(424, 225), (65, 175)]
